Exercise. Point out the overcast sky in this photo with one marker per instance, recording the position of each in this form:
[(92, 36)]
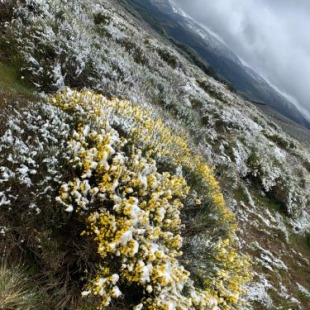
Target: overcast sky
[(271, 36)]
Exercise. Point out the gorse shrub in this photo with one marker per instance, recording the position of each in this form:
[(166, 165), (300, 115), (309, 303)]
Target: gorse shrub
[(143, 200), (126, 188), (137, 218)]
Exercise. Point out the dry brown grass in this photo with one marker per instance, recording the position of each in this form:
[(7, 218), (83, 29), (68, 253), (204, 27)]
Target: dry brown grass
[(17, 290)]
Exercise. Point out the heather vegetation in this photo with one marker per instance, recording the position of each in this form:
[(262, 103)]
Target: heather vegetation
[(108, 188)]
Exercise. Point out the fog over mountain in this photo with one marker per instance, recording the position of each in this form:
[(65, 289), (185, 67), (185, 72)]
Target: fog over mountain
[(270, 36)]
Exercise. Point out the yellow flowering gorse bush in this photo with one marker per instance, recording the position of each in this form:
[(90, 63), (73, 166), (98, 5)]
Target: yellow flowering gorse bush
[(133, 211)]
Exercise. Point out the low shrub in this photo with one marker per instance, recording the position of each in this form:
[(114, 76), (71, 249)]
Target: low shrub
[(133, 187), (121, 155)]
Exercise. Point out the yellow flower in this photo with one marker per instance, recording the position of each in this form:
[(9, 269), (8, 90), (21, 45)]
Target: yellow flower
[(133, 211)]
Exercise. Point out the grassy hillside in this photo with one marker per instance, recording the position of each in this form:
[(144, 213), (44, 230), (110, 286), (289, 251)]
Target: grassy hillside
[(126, 156)]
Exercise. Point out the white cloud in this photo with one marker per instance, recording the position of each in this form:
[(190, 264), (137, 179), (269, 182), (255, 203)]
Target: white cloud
[(271, 36)]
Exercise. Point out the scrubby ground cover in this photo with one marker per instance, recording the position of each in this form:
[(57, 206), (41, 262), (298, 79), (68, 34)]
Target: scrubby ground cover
[(105, 169), (143, 224), (264, 174)]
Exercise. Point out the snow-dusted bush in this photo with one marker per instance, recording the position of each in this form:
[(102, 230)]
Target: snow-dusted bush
[(73, 43), (134, 219), (33, 152), (33, 164), (245, 148), (269, 166), (117, 169), (133, 209)]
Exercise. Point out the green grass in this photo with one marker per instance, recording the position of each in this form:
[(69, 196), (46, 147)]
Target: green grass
[(11, 82), (17, 290), (12, 87)]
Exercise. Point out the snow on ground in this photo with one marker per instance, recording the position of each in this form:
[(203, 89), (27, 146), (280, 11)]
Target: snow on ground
[(241, 143)]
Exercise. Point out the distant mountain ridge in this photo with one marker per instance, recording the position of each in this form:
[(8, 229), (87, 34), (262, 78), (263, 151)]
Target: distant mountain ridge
[(175, 24)]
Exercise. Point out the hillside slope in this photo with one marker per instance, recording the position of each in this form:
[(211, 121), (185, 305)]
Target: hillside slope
[(108, 48), (176, 25)]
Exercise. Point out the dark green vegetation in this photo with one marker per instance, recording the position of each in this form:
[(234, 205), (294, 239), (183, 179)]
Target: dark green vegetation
[(11, 83)]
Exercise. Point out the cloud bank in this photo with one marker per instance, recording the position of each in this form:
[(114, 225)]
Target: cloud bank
[(272, 37)]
